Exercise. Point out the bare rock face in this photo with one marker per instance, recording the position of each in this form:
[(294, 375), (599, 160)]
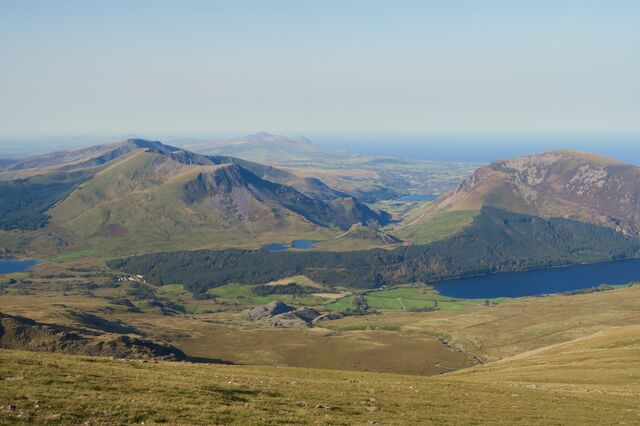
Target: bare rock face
[(570, 184), (237, 192), (281, 315), (271, 309), (25, 334)]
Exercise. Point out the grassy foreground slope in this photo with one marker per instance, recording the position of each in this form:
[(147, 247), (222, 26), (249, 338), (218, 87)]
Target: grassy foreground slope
[(588, 381), (396, 341)]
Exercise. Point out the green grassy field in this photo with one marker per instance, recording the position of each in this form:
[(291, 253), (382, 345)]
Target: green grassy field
[(78, 254), (393, 340), (420, 227), (406, 298), (514, 325), (242, 295)]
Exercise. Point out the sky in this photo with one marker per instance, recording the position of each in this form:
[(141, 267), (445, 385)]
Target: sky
[(299, 66)]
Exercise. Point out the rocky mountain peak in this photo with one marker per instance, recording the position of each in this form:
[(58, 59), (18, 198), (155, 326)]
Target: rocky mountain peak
[(569, 184)]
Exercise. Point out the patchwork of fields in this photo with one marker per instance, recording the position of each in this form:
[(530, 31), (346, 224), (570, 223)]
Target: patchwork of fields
[(547, 349)]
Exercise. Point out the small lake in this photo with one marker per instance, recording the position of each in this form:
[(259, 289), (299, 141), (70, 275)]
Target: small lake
[(297, 244), (303, 244), (542, 281), (8, 266), (417, 197)]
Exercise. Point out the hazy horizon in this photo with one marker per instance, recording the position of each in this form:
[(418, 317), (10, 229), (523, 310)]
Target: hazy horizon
[(445, 147), (158, 67)]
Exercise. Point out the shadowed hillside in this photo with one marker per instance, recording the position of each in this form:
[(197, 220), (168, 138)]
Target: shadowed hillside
[(25, 334), (138, 196), (497, 241), (568, 184)]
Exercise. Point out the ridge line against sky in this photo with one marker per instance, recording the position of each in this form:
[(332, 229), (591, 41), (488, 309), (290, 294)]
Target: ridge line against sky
[(71, 67)]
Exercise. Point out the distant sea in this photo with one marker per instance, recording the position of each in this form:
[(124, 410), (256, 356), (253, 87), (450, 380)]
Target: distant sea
[(480, 148), (471, 148)]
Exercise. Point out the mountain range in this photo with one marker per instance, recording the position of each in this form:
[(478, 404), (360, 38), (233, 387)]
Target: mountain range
[(369, 178), (141, 195), (553, 209), (268, 148)]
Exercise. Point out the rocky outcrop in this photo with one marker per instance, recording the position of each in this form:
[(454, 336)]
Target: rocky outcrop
[(281, 315), (568, 184), (269, 310), (25, 334), (235, 192)]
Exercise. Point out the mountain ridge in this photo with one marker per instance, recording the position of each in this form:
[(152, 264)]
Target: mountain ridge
[(564, 183), (138, 195)]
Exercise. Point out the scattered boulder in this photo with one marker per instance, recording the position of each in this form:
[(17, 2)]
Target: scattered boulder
[(269, 310)]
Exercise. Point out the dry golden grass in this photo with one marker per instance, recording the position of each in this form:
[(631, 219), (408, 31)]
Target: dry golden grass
[(590, 381), (297, 279), (361, 350), (395, 342), (565, 360), (516, 325), (332, 296)]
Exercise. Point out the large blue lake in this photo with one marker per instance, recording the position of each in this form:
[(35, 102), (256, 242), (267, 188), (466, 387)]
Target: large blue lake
[(8, 266), (542, 281)]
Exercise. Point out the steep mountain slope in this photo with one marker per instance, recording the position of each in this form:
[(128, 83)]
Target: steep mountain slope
[(31, 186), (57, 163), (360, 237), (148, 200), (567, 184), (76, 158), (369, 178), (141, 195), (308, 185)]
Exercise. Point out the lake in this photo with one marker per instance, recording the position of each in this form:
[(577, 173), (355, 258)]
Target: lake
[(542, 281), (8, 266), (297, 244)]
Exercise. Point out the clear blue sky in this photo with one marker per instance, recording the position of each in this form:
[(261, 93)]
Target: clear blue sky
[(136, 66)]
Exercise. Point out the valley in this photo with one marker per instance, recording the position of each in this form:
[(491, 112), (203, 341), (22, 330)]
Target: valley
[(299, 273), (369, 178), (408, 330), (334, 213), (356, 369)]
